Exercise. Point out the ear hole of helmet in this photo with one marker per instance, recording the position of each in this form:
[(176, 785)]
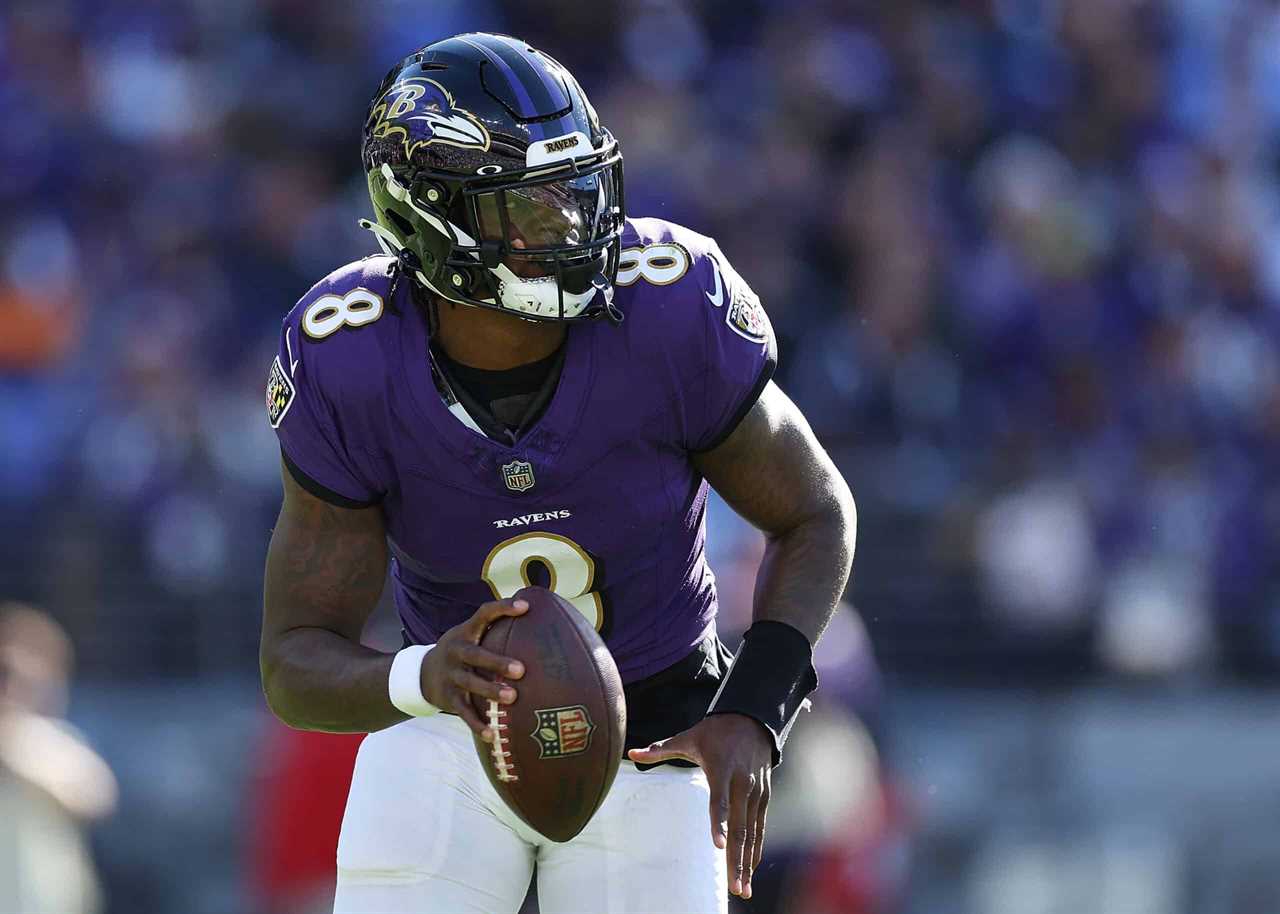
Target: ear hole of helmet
[(404, 226)]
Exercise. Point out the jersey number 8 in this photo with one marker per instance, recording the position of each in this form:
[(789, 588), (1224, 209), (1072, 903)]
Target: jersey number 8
[(329, 313), (572, 571), (659, 264)]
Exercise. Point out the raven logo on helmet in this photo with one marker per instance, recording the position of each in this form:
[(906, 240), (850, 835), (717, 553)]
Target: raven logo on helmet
[(422, 112)]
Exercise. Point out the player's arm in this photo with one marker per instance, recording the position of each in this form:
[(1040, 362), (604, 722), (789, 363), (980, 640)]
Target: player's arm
[(771, 470), (774, 473), (326, 566)]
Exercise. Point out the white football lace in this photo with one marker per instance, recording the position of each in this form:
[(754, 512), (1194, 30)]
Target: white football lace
[(506, 771)]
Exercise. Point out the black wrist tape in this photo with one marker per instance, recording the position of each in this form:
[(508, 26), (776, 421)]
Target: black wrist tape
[(769, 680)]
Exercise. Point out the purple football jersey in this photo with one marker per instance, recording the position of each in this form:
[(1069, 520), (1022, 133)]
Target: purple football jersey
[(597, 499)]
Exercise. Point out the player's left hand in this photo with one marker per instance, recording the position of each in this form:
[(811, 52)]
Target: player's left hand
[(736, 752)]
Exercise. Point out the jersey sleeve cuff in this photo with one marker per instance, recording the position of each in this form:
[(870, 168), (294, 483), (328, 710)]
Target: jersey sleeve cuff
[(749, 401), (322, 492)]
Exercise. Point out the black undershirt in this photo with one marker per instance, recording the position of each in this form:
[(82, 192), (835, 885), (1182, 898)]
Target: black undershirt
[(515, 397)]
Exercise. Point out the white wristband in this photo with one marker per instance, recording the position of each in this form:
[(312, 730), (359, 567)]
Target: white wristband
[(404, 685)]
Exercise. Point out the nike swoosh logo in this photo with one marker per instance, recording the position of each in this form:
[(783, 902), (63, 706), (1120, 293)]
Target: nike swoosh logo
[(293, 363), (718, 298)]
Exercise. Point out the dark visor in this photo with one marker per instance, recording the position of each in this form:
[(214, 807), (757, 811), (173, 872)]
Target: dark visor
[(551, 216)]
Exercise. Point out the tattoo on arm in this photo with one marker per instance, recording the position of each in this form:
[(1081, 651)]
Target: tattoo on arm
[(331, 560), (774, 473), (326, 567)]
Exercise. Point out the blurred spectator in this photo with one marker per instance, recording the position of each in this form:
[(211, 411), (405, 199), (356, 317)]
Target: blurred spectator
[(1036, 557), (51, 782)]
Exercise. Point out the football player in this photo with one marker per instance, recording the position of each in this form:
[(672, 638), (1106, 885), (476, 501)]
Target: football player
[(531, 387)]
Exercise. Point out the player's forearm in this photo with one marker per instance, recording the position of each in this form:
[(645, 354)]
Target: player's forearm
[(805, 570), (315, 679), (802, 577)]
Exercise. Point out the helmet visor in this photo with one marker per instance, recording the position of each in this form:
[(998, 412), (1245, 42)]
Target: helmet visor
[(549, 217)]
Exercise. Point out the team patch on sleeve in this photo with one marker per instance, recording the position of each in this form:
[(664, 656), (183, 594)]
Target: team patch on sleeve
[(746, 316), (280, 391)]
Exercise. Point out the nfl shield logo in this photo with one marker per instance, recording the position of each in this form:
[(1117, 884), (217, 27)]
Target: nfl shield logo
[(519, 475), (562, 731)]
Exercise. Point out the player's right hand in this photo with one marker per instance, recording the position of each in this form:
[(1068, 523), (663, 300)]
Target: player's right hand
[(458, 667)]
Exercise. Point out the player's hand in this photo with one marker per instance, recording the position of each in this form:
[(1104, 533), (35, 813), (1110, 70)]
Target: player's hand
[(458, 667), (736, 752)]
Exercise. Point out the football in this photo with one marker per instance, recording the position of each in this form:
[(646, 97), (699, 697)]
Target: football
[(558, 745)]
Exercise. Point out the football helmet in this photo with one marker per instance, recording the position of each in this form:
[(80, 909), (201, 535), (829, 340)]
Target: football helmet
[(492, 181)]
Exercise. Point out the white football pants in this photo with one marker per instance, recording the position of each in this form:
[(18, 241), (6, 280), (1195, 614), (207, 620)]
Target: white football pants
[(425, 833)]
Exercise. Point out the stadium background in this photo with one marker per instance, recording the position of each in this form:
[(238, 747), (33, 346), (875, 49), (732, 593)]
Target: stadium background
[(1023, 258)]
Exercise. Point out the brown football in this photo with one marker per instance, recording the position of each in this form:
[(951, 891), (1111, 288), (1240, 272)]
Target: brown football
[(560, 742)]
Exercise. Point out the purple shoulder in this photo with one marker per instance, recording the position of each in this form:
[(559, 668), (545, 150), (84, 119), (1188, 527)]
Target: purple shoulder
[(682, 278), (691, 319), (664, 268), (370, 273), (343, 333), (328, 388), (649, 231)]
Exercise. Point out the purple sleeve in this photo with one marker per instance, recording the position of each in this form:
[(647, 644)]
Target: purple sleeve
[(305, 406), (737, 356)]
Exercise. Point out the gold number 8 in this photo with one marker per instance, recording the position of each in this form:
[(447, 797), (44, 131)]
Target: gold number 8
[(572, 571), (658, 264)]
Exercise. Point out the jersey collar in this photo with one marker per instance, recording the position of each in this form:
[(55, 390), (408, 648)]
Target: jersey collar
[(458, 429)]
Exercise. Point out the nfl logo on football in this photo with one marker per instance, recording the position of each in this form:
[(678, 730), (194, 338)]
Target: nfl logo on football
[(519, 475), (562, 731)]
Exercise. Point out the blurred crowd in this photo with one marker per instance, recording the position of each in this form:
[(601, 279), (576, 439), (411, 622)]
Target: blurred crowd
[(1023, 257)]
